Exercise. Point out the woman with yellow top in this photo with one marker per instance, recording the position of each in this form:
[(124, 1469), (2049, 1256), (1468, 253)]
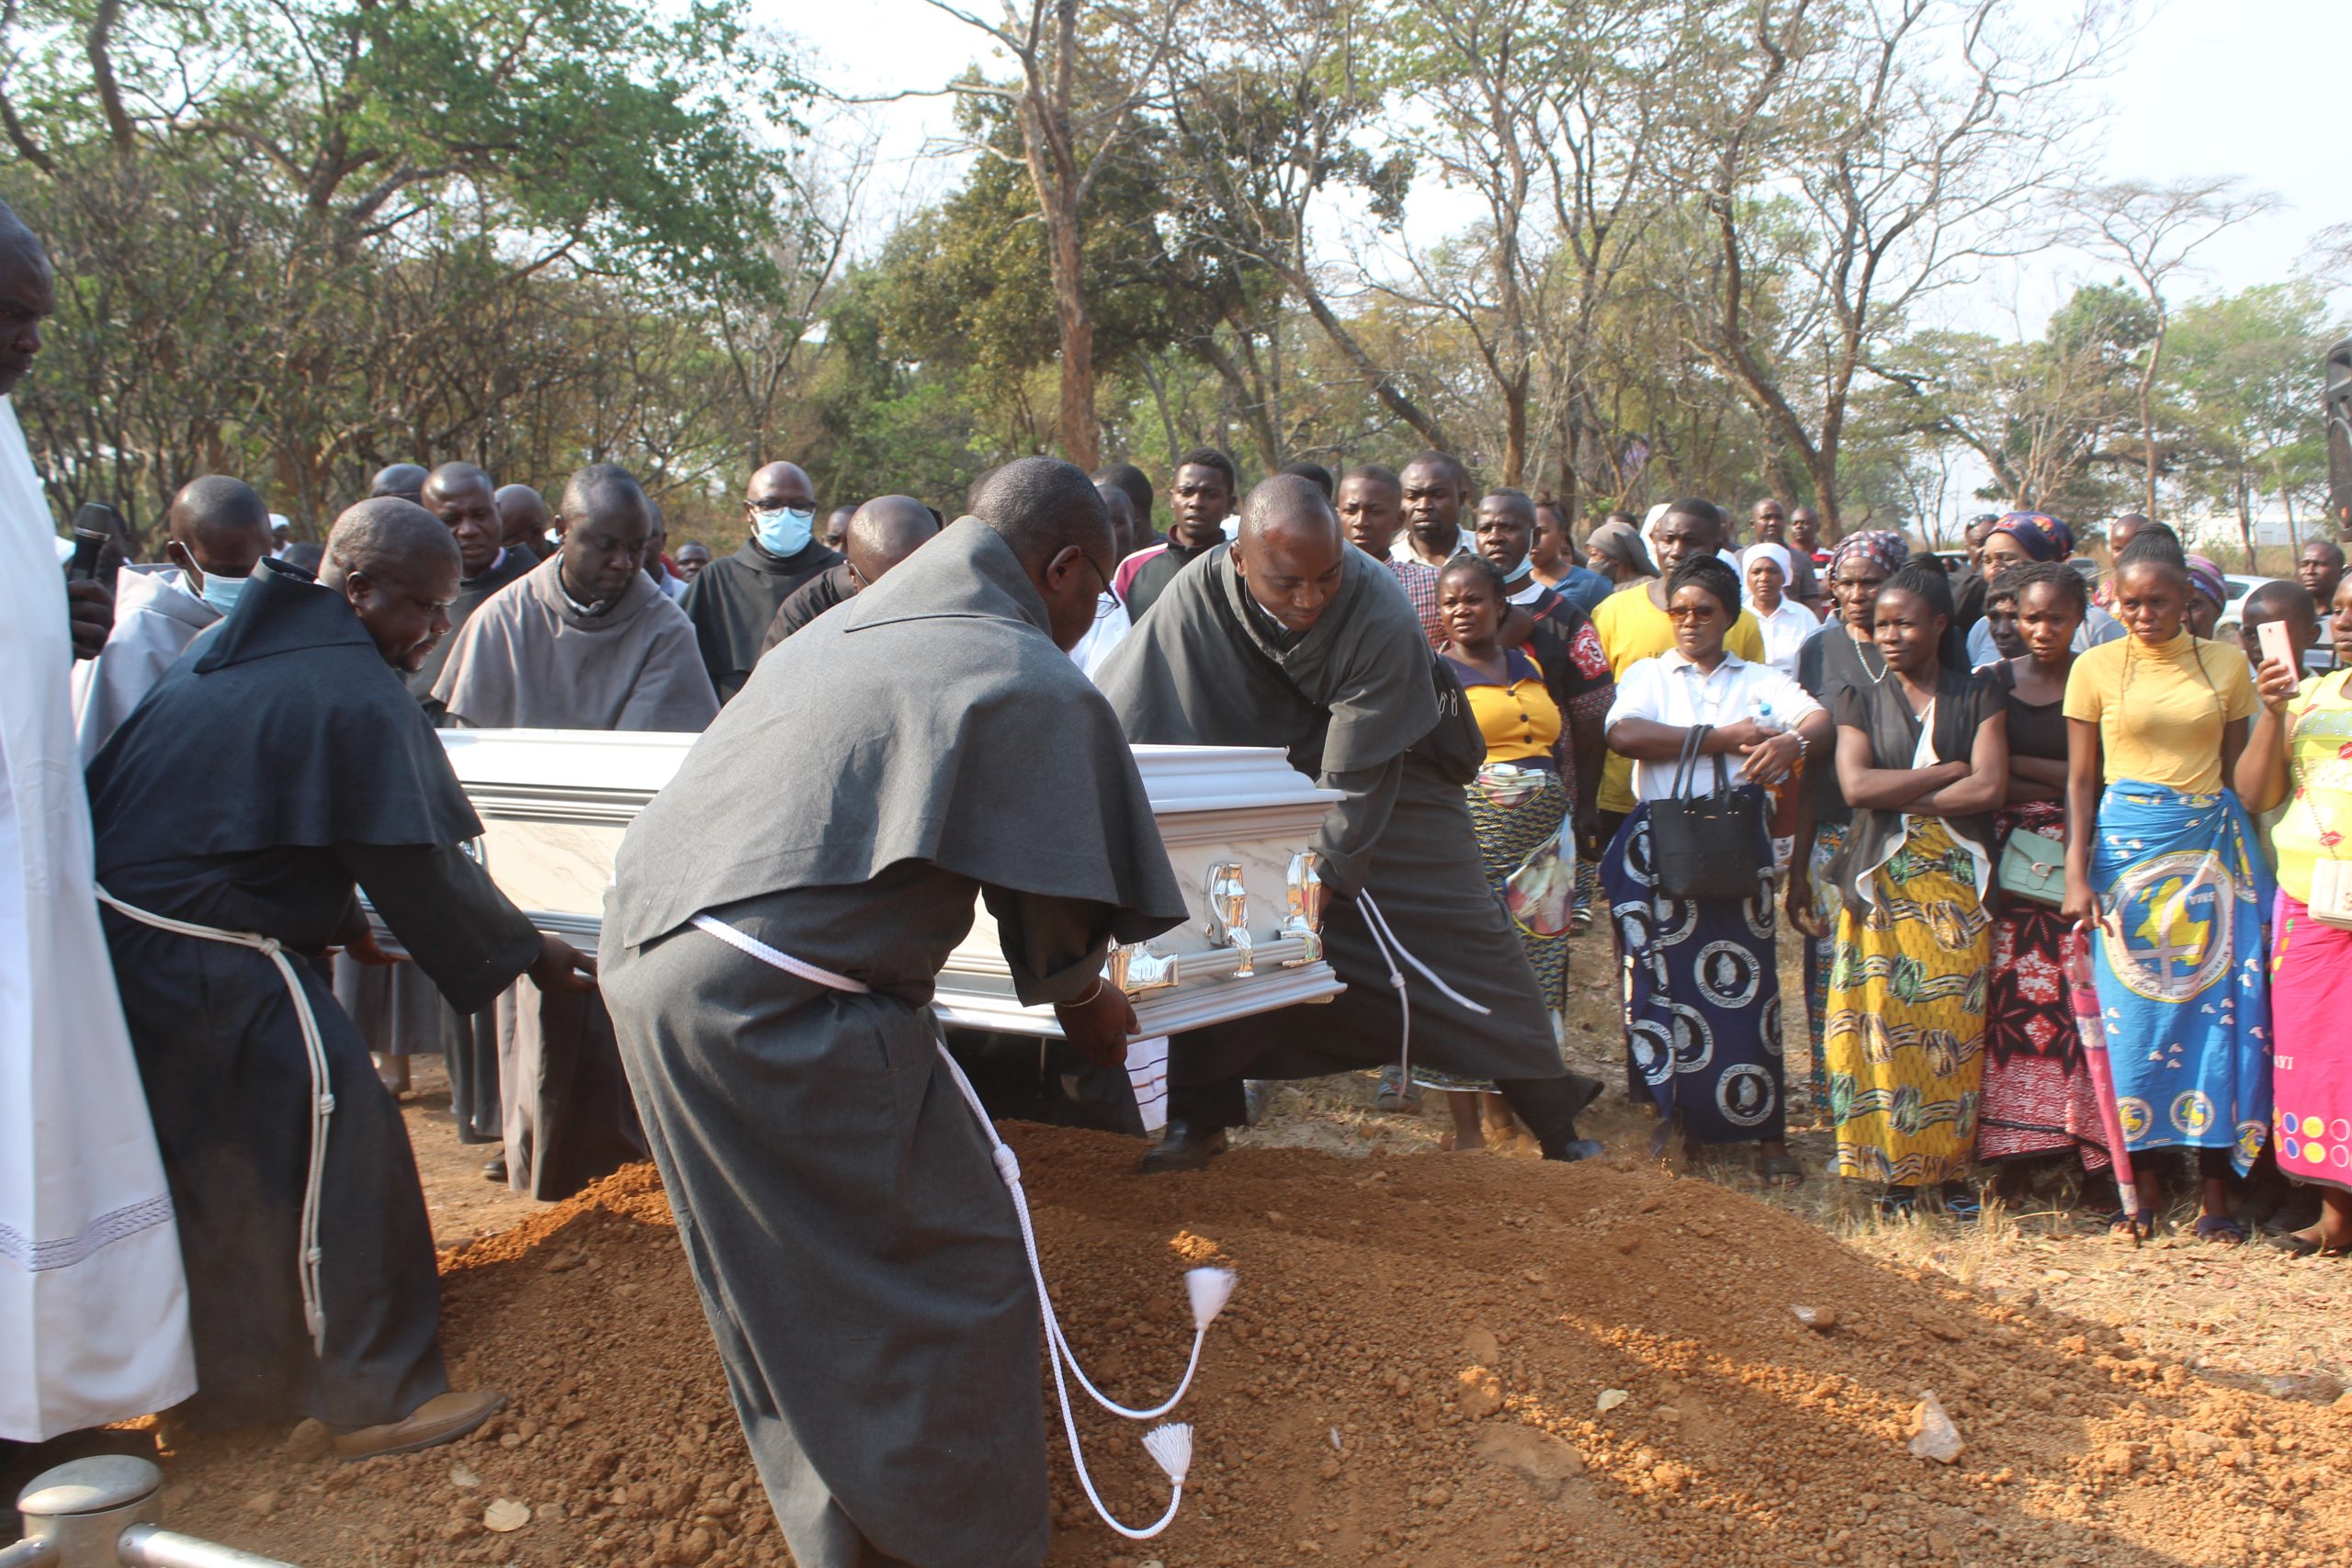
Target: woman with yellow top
[(2161, 855), (2300, 753), (1517, 804)]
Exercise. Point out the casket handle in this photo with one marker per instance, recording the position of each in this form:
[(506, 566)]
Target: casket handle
[(1305, 898), (1228, 922)]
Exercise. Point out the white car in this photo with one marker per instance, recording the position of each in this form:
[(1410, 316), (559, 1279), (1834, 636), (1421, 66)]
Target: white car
[(2318, 660)]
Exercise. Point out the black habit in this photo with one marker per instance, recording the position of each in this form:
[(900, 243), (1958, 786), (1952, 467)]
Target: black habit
[(279, 763), (730, 601)]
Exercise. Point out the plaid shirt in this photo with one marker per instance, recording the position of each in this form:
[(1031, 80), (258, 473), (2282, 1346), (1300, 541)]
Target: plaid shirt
[(1419, 580)]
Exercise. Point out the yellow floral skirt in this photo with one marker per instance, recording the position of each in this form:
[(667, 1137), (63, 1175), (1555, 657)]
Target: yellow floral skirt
[(1904, 1039)]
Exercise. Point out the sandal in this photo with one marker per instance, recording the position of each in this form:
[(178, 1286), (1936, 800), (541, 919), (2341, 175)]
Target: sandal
[(1781, 1170), (2295, 1244), (2221, 1228), (1397, 1093), (2142, 1223), (1898, 1203), (1963, 1204)]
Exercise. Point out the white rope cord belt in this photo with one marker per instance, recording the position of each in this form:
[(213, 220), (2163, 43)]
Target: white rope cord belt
[(1209, 1289), (1391, 948), (308, 1258)]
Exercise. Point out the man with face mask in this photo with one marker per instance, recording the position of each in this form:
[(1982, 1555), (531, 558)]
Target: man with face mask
[(730, 601), (586, 641), (311, 1286), (217, 532), (1292, 637)]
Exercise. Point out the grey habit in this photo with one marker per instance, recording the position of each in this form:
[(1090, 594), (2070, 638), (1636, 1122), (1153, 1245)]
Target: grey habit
[(1364, 706), (531, 659), (856, 1252)]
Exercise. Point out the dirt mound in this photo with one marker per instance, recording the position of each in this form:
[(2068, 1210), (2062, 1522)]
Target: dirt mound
[(1440, 1361)]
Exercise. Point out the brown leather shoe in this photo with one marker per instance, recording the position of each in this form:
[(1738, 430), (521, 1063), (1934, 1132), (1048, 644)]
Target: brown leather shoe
[(440, 1419)]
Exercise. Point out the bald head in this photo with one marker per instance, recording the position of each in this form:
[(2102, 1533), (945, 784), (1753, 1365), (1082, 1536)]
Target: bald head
[(522, 518), (884, 532), (787, 483), (396, 565), (217, 526), (28, 295), (404, 481), (608, 523), (1049, 514), (1291, 554)]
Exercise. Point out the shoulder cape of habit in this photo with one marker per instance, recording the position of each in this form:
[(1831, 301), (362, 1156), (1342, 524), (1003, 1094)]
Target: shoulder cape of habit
[(932, 719), (282, 727), (1200, 670)]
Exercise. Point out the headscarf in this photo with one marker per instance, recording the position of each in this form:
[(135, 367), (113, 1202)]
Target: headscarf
[(1619, 542), (2043, 536), (2205, 577), (1776, 554), (1883, 546)]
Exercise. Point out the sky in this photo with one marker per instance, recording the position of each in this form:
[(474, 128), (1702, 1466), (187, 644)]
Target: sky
[(2243, 87)]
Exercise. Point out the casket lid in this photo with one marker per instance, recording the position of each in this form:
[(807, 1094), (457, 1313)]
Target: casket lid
[(571, 764)]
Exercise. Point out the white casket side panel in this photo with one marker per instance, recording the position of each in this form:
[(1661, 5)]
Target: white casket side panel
[(554, 804)]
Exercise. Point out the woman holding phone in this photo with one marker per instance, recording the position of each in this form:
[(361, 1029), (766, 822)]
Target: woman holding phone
[(2161, 868), (2299, 751)]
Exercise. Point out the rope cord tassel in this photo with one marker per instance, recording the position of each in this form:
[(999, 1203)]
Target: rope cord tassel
[(310, 1257), (1170, 1445)]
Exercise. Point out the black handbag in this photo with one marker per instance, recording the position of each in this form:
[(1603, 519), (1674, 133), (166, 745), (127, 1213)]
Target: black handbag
[(1708, 847)]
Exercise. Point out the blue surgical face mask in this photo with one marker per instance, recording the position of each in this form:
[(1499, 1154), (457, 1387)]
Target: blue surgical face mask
[(220, 591), (787, 530)]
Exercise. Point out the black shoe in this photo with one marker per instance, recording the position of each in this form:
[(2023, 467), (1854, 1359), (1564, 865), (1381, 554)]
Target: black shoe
[(496, 1171), (1182, 1148), (1572, 1147)]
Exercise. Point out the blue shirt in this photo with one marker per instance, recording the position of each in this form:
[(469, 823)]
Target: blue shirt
[(1584, 588)]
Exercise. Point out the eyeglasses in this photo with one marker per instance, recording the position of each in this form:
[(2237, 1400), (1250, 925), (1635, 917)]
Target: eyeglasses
[(1116, 605), (1687, 612), (770, 504)]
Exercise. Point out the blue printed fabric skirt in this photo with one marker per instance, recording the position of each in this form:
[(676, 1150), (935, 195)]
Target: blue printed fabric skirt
[(1703, 1016), (2180, 965)]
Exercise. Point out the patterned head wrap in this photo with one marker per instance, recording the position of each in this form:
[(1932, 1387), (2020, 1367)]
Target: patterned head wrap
[(1883, 546), (2205, 578), (2043, 536)]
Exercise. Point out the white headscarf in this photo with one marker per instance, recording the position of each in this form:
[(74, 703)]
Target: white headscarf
[(1776, 554)]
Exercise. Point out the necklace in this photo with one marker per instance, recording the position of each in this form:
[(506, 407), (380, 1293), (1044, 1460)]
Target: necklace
[(1878, 678)]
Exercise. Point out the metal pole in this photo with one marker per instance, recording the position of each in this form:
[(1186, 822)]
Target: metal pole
[(108, 1510)]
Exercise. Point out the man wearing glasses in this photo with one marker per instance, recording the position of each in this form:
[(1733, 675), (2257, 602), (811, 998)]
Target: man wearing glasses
[(731, 602)]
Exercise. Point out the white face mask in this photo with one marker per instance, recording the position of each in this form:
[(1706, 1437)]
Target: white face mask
[(219, 590)]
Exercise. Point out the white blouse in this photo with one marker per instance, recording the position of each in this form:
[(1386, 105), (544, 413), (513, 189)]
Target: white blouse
[(1784, 630), (1669, 689)]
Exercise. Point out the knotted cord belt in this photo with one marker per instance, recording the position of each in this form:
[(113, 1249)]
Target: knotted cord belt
[(308, 1258), (1170, 1445)]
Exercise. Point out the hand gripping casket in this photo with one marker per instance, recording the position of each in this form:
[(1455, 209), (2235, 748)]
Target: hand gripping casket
[(1237, 822)]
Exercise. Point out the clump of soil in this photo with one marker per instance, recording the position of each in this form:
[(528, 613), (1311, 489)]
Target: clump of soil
[(1440, 1361)]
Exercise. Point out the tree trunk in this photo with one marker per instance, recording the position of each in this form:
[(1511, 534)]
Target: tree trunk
[(2245, 522), (1082, 436), (1515, 428)]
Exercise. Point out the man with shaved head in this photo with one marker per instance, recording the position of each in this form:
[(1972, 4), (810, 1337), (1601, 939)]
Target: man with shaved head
[(1292, 637), (586, 641), (217, 532), (881, 534), (311, 1284), (400, 481), (523, 521), (462, 496), (778, 918), (93, 1309), (731, 602)]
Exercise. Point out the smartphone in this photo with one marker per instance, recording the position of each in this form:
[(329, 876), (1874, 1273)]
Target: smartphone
[(2272, 636)]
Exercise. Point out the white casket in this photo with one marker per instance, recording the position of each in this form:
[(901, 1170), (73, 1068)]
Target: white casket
[(1237, 822)]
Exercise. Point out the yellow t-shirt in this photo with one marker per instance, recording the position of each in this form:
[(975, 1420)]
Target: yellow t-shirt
[(2319, 788), (1521, 720), (2160, 721), (1633, 629)]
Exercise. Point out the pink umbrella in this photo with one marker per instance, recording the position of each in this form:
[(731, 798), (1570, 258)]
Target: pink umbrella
[(2091, 1023)]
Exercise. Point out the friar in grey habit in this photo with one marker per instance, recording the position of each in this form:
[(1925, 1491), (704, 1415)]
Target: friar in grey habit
[(924, 744), (1290, 638)]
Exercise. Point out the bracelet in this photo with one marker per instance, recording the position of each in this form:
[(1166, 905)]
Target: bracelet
[(1090, 996)]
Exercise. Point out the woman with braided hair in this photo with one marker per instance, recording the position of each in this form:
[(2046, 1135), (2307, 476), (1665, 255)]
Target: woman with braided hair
[(1702, 1015)]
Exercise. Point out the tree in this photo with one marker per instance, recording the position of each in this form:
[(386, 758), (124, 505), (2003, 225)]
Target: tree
[(1079, 91), (2154, 230), (1847, 159), (2241, 393)]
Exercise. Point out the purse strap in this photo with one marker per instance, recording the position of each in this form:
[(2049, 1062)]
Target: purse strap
[(1688, 762)]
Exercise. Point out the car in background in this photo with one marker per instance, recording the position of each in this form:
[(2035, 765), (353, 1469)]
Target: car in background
[(2318, 660)]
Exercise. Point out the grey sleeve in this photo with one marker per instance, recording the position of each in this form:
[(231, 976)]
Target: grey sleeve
[(465, 935), (1354, 823), (1056, 946)]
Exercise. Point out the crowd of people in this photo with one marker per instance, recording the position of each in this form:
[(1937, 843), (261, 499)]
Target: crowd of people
[(2066, 872)]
